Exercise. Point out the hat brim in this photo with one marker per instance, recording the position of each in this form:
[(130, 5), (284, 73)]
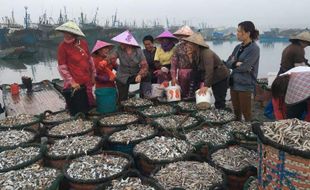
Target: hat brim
[(300, 39), (121, 42), (110, 46), (203, 44), (71, 32)]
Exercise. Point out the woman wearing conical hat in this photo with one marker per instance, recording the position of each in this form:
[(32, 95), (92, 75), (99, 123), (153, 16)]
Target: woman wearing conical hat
[(294, 54), (180, 64), (163, 55), (133, 67), (74, 60), (105, 77), (209, 70)]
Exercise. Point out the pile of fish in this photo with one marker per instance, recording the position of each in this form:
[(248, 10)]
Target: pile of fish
[(133, 132), (130, 183), (213, 135), (73, 146), (253, 185), (235, 158), (240, 127), (187, 106), (163, 148), (71, 127), (21, 119), (15, 137), (137, 102), (33, 177), (61, 116), (96, 166), (13, 157), (189, 175), (119, 119), (216, 115), (176, 121), (290, 132), (158, 110)]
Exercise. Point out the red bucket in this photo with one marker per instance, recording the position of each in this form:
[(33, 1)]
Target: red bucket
[(14, 89)]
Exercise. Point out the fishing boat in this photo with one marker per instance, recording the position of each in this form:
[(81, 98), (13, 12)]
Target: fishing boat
[(26, 36)]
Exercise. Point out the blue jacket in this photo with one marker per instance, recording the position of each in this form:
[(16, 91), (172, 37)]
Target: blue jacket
[(243, 78)]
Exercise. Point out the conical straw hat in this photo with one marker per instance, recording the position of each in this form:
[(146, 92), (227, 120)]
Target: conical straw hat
[(126, 38), (70, 27), (304, 36), (100, 44), (184, 31), (166, 34), (198, 39)]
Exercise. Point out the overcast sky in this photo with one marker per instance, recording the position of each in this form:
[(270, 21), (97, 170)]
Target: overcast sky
[(215, 13)]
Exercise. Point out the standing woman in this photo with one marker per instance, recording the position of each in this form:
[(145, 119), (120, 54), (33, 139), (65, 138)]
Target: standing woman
[(163, 55), (106, 94), (244, 62), (74, 60), (208, 71), (181, 67), (133, 67)]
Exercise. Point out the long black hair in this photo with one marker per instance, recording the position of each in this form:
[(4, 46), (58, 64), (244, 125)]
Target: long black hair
[(248, 26), (279, 86)]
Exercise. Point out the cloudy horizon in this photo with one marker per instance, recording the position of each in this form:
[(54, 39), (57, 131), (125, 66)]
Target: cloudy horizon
[(220, 13)]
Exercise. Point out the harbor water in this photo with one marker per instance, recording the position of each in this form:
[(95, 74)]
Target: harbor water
[(43, 65)]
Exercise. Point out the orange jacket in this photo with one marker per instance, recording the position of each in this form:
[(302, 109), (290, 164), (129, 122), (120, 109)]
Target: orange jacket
[(104, 75)]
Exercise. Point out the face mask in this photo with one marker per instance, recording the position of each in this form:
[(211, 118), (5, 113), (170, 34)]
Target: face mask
[(69, 40), (167, 46)]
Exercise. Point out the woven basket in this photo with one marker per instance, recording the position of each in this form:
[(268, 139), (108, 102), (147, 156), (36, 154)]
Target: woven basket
[(235, 179), (91, 184), (281, 170), (281, 166)]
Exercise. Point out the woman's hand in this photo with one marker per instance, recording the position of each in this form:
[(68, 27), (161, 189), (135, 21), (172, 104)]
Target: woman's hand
[(174, 81), (238, 64), (75, 85), (138, 79), (203, 90), (158, 72)]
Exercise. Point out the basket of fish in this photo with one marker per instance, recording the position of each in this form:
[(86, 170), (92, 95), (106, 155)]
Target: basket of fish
[(14, 138), (186, 106), (206, 138), (237, 162), (131, 180), (251, 184), (33, 177), (284, 154), (87, 172), (242, 133), (21, 121), (175, 123), (191, 175), (158, 151), (125, 140), (63, 150), (116, 121), (53, 118), (20, 157), (215, 116), (152, 112), (132, 104), (72, 128)]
